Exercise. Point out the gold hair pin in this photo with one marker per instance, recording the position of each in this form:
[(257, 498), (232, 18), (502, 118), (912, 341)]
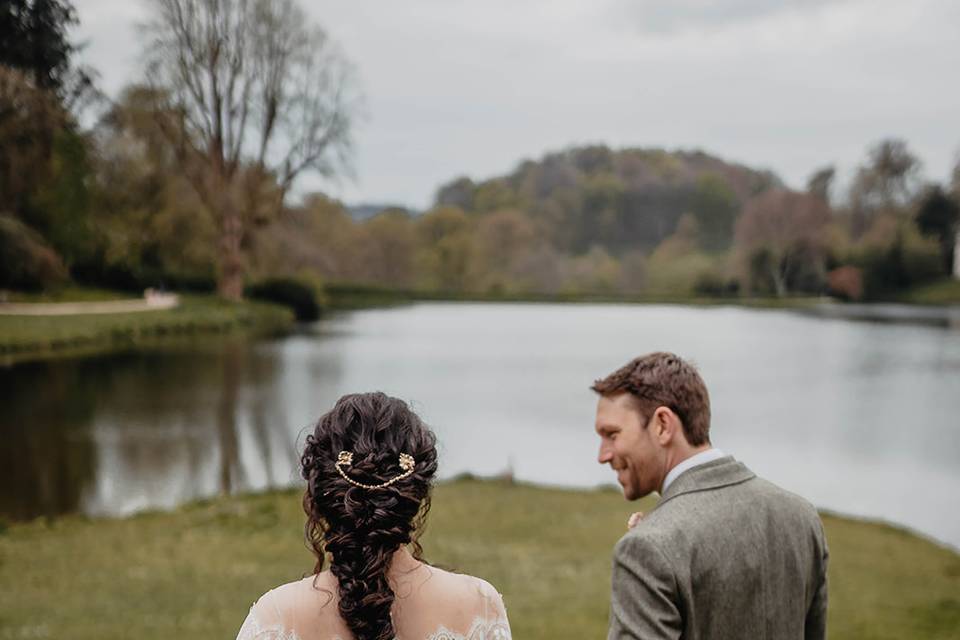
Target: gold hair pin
[(345, 459)]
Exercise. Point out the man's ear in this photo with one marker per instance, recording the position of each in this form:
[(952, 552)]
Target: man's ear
[(668, 426)]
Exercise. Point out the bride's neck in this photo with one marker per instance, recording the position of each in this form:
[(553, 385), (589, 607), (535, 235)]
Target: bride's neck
[(403, 562)]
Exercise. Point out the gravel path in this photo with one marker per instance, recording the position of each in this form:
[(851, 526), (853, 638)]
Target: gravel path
[(153, 302)]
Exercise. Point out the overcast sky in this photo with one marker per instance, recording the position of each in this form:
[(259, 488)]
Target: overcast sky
[(457, 87)]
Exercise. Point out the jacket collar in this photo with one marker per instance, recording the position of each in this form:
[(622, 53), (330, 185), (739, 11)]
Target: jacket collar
[(722, 472)]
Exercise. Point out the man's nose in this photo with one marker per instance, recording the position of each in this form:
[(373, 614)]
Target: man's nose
[(605, 455)]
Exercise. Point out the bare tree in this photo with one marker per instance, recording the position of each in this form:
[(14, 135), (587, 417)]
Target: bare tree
[(821, 181), (781, 232), (885, 184), (261, 96)]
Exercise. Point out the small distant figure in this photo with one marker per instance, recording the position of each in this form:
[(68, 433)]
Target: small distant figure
[(724, 554), (160, 299)]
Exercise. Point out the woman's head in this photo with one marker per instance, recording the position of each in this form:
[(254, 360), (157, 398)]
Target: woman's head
[(360, 528)]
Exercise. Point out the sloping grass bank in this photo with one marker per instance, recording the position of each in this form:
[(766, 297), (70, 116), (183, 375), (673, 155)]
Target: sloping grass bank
[(946, 291), (44, 336), (193, 573)]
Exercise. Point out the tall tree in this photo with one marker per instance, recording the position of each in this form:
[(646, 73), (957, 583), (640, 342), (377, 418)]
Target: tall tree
[(937, 217), (820, 183), (44, 169), (155, 228), (263, 96), (885, 184), (714, 206), (29, 121), (33, 39), (445, 248), (781, 235)]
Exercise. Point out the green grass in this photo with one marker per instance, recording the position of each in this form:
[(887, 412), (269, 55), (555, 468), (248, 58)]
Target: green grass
[(194, 572), (23, 337), (940, 292)]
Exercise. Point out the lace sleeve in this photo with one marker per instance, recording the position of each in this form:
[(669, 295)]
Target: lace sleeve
[(264, 622), (495, 625)]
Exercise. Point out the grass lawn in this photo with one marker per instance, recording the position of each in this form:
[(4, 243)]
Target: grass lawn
[(43, 336), (194, 572), (945, 291)]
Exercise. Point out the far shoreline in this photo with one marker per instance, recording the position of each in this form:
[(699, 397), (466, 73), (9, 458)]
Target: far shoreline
[(25, 338)]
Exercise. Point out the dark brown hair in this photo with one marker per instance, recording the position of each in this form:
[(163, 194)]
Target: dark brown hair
[(664, 380), (362, 528)]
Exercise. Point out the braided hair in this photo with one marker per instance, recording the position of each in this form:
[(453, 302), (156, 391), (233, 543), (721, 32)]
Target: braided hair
[(361, 528)]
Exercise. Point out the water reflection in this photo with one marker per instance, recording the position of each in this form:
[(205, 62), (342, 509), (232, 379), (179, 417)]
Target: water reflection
[(48, 456), (119, 433), (230, 471)]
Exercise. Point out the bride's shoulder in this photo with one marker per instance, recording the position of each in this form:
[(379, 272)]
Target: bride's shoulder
[(479, 608), (463, 586), (295, 595), (278, 613)]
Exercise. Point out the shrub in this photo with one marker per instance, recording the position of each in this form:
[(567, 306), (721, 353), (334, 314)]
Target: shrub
[(846, 282), (908, 260), (27, 262), (714, 285), (298, 294)]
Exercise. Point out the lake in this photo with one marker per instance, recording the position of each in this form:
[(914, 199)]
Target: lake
[(860, 418)]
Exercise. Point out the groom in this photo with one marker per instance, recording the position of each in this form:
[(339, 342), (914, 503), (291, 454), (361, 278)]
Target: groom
[(724, 554)]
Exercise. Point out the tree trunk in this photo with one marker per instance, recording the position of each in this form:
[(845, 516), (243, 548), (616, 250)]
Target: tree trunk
[(230, 278), (230, 275), (956, 256), (779, 281)]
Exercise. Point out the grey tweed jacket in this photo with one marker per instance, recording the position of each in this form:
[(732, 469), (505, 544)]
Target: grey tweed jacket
[(724, 554)]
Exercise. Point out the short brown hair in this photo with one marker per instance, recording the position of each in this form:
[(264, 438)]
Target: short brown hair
[(664, 380)]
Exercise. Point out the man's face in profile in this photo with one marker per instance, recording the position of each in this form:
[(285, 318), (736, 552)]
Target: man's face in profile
[(628, 445)]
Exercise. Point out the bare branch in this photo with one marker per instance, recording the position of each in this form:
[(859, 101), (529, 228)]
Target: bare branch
[(260, 96)]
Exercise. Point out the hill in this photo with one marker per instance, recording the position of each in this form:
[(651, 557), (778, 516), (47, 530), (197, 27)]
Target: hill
[(622, 199)]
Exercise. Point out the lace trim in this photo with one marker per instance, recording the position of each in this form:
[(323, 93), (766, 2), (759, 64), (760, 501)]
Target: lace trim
[(484, 627), (480, 630), (253, 630)]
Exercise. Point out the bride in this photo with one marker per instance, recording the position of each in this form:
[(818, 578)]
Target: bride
[(369, 466)]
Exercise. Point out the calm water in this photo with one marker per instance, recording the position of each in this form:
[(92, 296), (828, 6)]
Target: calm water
[(859, 418)]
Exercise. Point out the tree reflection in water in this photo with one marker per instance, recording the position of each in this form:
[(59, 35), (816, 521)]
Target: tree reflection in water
[(110, 435), (47, 458), (230, 371)]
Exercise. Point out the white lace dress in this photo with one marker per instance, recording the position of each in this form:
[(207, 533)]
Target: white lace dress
[(431, 604)]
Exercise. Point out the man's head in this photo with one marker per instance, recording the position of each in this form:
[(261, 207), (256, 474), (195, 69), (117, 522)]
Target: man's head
[(653, 413)]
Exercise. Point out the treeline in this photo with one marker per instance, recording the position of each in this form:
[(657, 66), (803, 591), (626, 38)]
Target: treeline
[(581, 221), (640, 222), (162, 191)]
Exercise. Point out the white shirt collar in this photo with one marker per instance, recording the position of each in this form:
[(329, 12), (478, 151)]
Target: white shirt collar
[(693, 461)]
